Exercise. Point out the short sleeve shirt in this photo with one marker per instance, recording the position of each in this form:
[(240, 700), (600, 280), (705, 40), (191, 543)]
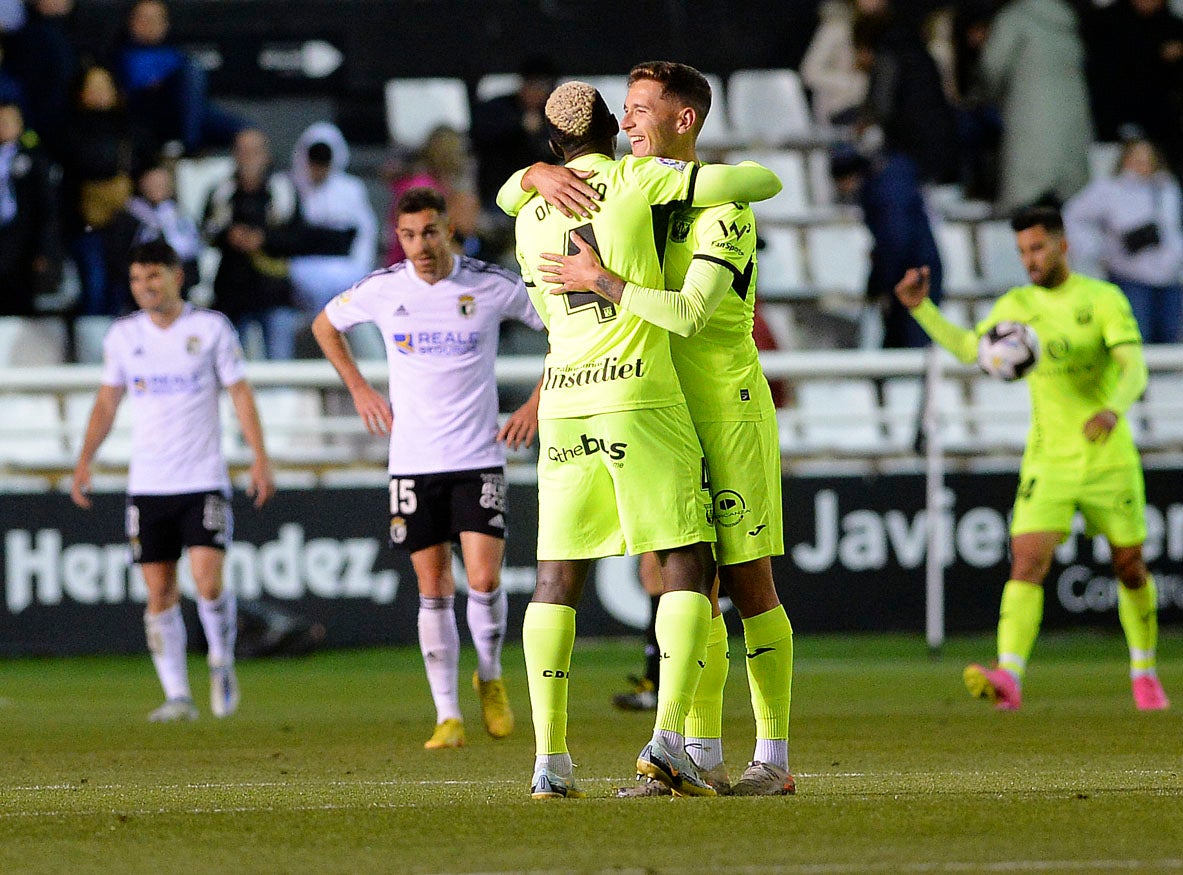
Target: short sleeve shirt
[(173, 377), (441, 345), (1077, 323), (603, 359)]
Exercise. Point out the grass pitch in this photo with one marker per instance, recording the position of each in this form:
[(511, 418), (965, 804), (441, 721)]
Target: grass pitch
[(323, 770)]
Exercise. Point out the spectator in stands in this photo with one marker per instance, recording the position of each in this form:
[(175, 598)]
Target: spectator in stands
[(887, 188), (905, 96), (1136, 64), (1033, 64), (330, 199), (28, 217), (979, 123), (11, 90), (838, 87), (101, 155), (442, 164), (1132, 225), (12, 16), (42, 57), (166, 89), (153, 214), (509, 132), (253, 205)]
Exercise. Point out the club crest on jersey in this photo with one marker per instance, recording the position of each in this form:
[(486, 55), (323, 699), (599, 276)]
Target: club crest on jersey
[(404, 343), (342, 299), (193, 344), (467, 305), (398, 529), (680, 229), (1084, 315), (670, 162)]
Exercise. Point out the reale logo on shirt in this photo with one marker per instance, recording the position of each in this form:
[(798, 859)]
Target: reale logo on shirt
[(404, 343)]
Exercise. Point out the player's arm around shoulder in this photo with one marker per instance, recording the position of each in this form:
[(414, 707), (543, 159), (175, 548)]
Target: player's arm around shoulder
[(564, 188), (262, 477)]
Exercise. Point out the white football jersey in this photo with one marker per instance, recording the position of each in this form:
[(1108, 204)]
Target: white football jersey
[(441, 343), (173, 377)]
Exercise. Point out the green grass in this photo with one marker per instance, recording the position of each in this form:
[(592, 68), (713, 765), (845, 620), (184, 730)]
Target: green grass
[(323, 770)]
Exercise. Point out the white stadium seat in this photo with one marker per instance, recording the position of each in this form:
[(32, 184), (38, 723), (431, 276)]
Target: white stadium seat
[(903, 399), (717, 131), (497, 85), (292, 420), (1163, 406), (792, 203), (955, 242), (31, 432), (196, 178), (116, 449), (768, 107), (838, 257), (821, 183), (89, 332), (1001, 413), (1001, 267), (416, 107), (30, 341), (840, 416), (781, 267)]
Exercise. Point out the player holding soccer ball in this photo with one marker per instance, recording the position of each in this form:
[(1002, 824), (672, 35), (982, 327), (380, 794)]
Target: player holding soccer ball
[(1080, 452)]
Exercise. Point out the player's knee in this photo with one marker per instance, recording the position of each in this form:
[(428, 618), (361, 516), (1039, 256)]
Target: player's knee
[(483, 581), (1130, 570), (1032, 569)]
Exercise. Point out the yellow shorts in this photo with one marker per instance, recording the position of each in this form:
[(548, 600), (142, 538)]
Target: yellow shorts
[(743, 459), (1111, 500), (610, 482)]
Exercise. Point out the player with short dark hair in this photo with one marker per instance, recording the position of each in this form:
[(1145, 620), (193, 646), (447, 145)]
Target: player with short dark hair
[(621, 467), (1080, 451), (709, 261), (173, 359), (440, 316)]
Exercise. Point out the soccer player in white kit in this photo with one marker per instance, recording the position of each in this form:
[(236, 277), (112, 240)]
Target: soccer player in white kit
[(172, 359), (440, 314)]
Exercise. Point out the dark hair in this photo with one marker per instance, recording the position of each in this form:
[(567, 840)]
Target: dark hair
[(416, 200), (1031, 217), (679, 81), (320, 153), (154, 252)]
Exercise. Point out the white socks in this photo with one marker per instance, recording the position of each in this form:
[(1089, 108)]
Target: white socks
[(707, 753), (439, 640), (486, 623), (774, 751), (219, 620), (166, 642)]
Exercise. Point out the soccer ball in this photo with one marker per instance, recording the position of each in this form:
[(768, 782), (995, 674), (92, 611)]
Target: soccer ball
[(1008, 351)]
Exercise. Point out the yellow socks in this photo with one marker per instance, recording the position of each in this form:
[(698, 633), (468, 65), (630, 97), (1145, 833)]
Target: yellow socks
[(548, 636), (1138, 611), (683, 626), (768, 638), (1018, 625)]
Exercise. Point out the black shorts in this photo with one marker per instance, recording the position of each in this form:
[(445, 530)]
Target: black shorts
[(158, 526), (430, 509)]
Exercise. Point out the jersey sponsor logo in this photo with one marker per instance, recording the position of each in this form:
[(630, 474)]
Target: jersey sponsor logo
[(670, 162), (193, 344), (437, 343), (729, 508), (745, 395), (166, 384), (734, 230), (727, 246), (404, 343), (466, 304), (606, 370), (588, 446), (759, 651)]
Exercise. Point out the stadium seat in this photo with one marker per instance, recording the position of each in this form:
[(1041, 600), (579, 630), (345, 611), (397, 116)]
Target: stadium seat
[(416, 107), (1163, 409), (902, 409), (838, 258), (839, 416), (292, 420), (31, 341), (1001, 267), (89, 332), (196, 178), (958, 312), (116, 449), (31, 433), (717, 132), (792, 203), (955, 241), (768, 107), (781, 267), (821, 183), (497, 85), (1001, 413)]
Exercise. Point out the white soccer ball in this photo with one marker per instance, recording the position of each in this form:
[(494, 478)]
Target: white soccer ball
[(1008, 351)]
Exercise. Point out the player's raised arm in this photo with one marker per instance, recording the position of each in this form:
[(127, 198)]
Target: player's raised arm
[(262, 479), (372, 406), (102, 417), (912, 292)]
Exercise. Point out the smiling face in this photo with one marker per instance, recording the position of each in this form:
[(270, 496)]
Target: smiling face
[(424, 236), (657, 125), (156, 288)]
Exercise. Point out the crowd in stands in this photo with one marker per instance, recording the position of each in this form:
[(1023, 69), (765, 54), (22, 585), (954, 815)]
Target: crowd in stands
[(999, 98)]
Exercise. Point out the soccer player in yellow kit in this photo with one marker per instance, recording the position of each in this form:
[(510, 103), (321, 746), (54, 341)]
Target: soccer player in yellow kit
[(1080, 452), (707, 304), (620, 466)]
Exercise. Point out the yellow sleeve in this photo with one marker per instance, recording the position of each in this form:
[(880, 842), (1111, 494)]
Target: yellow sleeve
[(510, 197), (962, 342), (683, 312), (725, 183), (1134, 376)]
